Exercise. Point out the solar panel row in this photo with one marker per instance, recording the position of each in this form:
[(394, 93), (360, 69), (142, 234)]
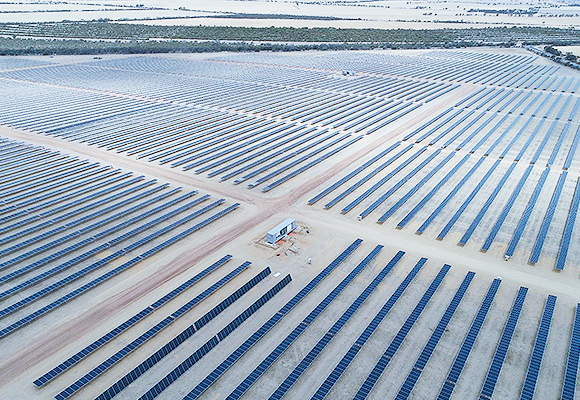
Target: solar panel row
[(212, 377), (151, 332), (285, 386), (571, 374), (503, 346), (97, 281), (71, 361), (214, 341), (400, 337), (263, 366), (468, 342), (337, 372), (535, 364)]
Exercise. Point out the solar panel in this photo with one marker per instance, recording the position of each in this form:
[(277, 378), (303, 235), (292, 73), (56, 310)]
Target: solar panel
[(395, 187), (421, 183), (97, 281), (442, 205), (551, 210), (261, 332), (258, 371), (571, 374), (373, 173), (438, 332), (77, 357), (399, 338), (132, 346), (336, 327), (526, 214), (468, 342), (503, 346), (505, 211), (568, 229), (486, 205), (337, 372), (535, 365), (353, 173), (160, 386)]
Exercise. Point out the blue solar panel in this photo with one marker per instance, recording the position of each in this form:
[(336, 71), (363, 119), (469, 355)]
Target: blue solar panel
[(299, 160), (310, 164), (468, 342), (433, 191), (75, 246), (438, 126), (395, 187), (475, 132), (571, 374), (438, 332), (558, 145), (462, 130), (501, 137), (399, 338), (568, 229), (127, 349), (290, 151), (503, 346), (572, 151), (261, 332), (97, 281), (373, 173), (543, 232), (527, 214), (353, 173), (535, 365), (337, 372), (410, 135), (419, 184), (486, 206), (450, 128), (336, 327), (505, 211), (239, 391), (467, 201), (274, 150), (442, 205), (480, 97), (213, 342), (43, 292), (384, 122)]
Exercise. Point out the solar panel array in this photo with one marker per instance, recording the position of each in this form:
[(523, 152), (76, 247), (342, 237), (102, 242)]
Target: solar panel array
[(505, 70), (302, 326), (305, 373), (210, 116), (407, 387), (474, 169), (503, 346), (468, 342), (400, 337), (58, 229), (317, 373), (535, 364), (136, 343), (336, 327), (494, 169), (59, 369)]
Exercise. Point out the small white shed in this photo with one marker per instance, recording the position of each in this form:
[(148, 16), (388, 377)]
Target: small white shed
[(280, 230)]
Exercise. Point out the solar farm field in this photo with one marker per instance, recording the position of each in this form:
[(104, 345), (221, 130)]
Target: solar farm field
[(436, 195)]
